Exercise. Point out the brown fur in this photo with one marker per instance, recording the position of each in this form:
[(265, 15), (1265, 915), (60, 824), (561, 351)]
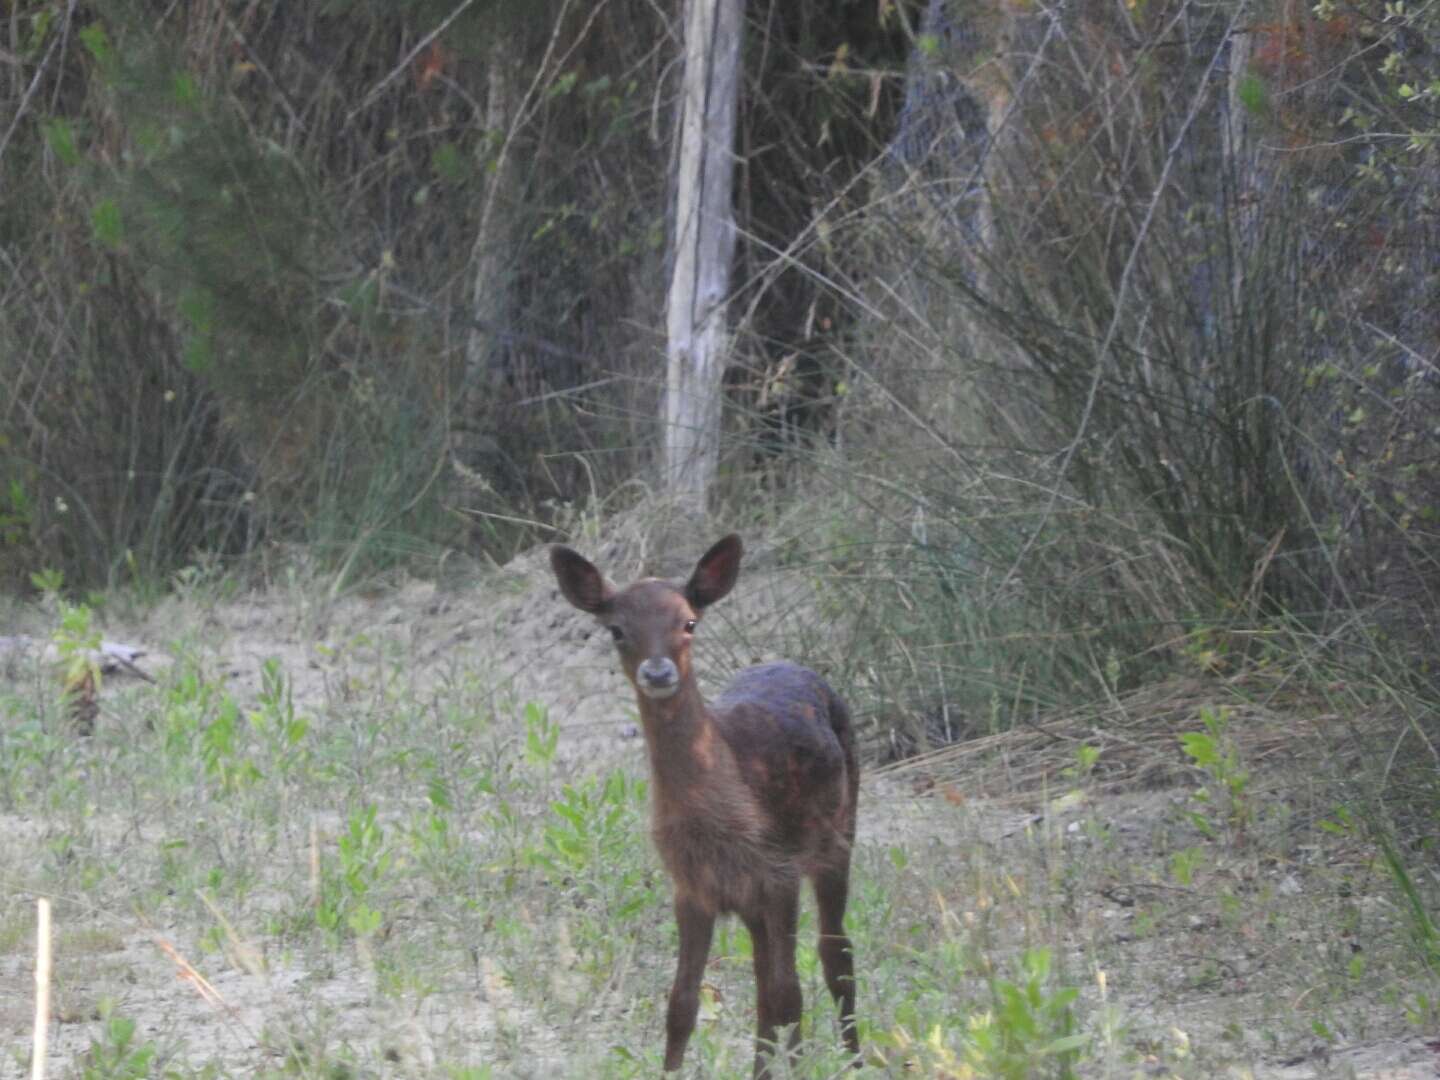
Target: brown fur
[(749, 795)]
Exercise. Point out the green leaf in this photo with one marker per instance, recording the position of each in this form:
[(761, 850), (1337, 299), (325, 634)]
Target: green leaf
[(1063, 998), (596, 86), (360, 294), (1201, 747), (94, 38), (198, 356), (19, 501), (120, 1030), (1065, 1044), (198, 307), (562, 86), (1252, 95), (186, 92), (570, 814), (363, 921), (631, 906), (1202, 823), (106, 224), (39, 29), (60, 137), (439, 795), (1036, 963), (447, 163)]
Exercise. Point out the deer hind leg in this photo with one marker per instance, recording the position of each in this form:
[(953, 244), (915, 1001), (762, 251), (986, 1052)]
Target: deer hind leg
[(696, 925), (772, 924), (832, 889)]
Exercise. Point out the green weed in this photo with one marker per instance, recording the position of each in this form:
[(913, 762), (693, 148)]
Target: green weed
[(115, 1054), (346, 892), (280, 729), (1216, 755)]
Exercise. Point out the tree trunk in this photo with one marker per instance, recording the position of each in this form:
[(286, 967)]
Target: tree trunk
[(492, 255), (704, 245), (1241, 166)]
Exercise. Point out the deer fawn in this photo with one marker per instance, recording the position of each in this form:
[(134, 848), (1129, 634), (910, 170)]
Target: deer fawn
[(749, 794)]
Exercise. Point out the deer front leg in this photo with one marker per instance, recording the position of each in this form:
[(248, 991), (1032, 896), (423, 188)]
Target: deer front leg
[(777, 985), (696, 925)]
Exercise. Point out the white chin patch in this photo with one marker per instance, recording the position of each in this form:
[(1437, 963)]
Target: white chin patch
[(659, 693)]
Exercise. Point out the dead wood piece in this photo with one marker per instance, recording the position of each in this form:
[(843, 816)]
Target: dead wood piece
[(109, 658)]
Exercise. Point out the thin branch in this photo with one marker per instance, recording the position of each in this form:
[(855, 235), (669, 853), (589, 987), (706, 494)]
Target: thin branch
[(395, 72), (500, 333), (1121, 292), (35, 82)]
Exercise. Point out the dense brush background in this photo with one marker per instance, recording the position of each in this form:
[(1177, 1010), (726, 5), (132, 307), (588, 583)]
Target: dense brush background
[(1072, 346)]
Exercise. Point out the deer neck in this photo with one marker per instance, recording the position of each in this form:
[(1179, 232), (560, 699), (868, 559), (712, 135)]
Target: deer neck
[(681, 737)]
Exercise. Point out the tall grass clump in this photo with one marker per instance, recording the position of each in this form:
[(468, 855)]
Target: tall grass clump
[(1150, 374)]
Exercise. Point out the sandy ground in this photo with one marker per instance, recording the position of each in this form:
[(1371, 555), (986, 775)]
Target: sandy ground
[(537, 649)]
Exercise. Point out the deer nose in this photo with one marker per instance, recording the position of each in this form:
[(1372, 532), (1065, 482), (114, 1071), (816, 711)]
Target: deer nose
[(657, 677)]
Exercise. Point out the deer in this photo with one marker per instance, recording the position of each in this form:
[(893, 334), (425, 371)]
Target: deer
[(749, 794)]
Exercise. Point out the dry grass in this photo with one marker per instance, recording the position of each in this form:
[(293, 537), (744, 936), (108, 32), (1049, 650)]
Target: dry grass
[(1136, 735)]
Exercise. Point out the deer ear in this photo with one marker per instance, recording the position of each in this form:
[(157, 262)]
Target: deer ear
[(579, 581), (715, 573)]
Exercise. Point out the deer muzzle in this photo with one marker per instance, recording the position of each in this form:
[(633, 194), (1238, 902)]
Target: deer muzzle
[(657, 677)]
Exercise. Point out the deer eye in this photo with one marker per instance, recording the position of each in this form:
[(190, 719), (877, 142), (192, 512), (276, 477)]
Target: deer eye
[(617, 633), (689, 626)]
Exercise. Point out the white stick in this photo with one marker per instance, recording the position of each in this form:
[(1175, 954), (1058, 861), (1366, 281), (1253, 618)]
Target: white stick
[(42, 989)]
